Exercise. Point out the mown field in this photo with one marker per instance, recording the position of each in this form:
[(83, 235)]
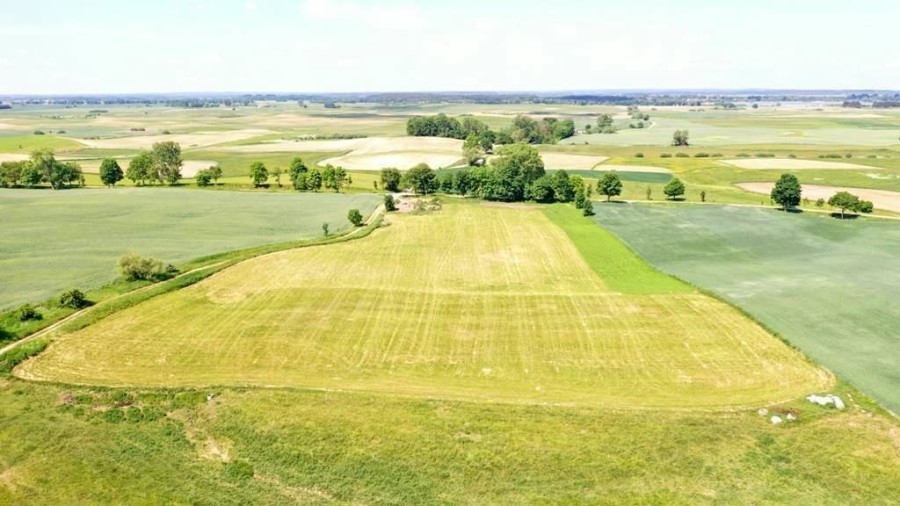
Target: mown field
[(72, 239), (828, 286), (474, 302)]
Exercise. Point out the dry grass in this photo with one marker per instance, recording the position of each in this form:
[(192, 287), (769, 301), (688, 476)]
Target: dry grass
[(187, 141), (476, 303)]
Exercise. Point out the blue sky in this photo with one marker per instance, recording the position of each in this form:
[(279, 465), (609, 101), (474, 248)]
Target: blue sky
[(356, 45)]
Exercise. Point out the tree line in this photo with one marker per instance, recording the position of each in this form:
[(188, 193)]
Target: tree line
[(788, 193), (523, 129), (41, 168)]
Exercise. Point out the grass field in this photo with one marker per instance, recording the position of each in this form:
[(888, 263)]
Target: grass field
[(828, 286), (59, 240), (65, 444), (498, 306)]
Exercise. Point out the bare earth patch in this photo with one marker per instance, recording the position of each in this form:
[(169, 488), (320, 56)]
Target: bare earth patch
[(12, 157), (187, 141), (882, 199), (791, 163), (571, 162), (371, 153)]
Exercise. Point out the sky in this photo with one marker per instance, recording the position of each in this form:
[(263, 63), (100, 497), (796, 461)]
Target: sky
[(315, 46)]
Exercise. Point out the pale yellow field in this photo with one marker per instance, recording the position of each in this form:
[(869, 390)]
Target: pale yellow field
[(571, 162), (632, 168), (882, 199), (472, 302), (791, 163), (12, 157), (187, 141)]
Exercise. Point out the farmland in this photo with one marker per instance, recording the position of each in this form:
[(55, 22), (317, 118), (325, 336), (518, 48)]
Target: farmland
[(169, 224), (825, 285), (484, 353), (421, 315)]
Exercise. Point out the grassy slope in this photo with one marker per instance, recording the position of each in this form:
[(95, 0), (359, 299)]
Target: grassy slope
[(169, 224), (828, 286), (497, 306)]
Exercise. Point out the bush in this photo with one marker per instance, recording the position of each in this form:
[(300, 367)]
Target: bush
[(820, 202), (666, 155), (588, 208), (134, 268), (701, 155), (355, 217), (743, 155), (28, 312), (682, 155), (716, 155), (73, 299), (389, 203), (848, 155), (639, 155), (38, 132), (765, 155)]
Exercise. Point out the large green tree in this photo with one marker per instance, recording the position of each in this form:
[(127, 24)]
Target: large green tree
[(167, 162), (390, 179), (422, 179), (673, 189), (610, 185), (786, 191), (110, 172), (314, 179), (297, 173), (680, 138), (11, 173), (259, 174), (140, 167)]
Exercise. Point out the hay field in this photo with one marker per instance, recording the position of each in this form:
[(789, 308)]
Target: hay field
[(475, 302), (792, 164), (553, 161), (882, 199), (828, 286), (197, 139), (83, 233)]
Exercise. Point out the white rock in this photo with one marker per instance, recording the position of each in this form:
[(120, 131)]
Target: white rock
[(776, 420), (762, 412), (838, 403), (791, 417)]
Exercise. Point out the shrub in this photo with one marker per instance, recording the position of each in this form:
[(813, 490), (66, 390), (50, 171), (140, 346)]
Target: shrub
[(848, 155), (38, 132), (820, 202), (588, 208), (742, 155), (74, 299), (666, 155), (28, 312), (682, 155), (792, 155), (765, 155), (701, 155), (389, 203), (355, 217), (134, 268), (639, 155), (166, 132), (716, 155)]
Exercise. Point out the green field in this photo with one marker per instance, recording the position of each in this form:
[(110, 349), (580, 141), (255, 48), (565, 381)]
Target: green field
[(498, 306), (827, 286), (59, 240)]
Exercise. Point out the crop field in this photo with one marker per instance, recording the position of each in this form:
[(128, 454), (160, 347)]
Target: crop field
[(499, 306), (827, 286), (54, 241)]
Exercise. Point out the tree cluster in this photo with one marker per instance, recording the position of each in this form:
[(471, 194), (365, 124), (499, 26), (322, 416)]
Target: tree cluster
[(846, 201), (43, 167), (523, 129), (136, 268), (680, 138), (161, 164), (314, 179), (787, 191), (208, 176)]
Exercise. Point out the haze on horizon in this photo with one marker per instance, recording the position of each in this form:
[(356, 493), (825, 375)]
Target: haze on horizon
[(104, 46)]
